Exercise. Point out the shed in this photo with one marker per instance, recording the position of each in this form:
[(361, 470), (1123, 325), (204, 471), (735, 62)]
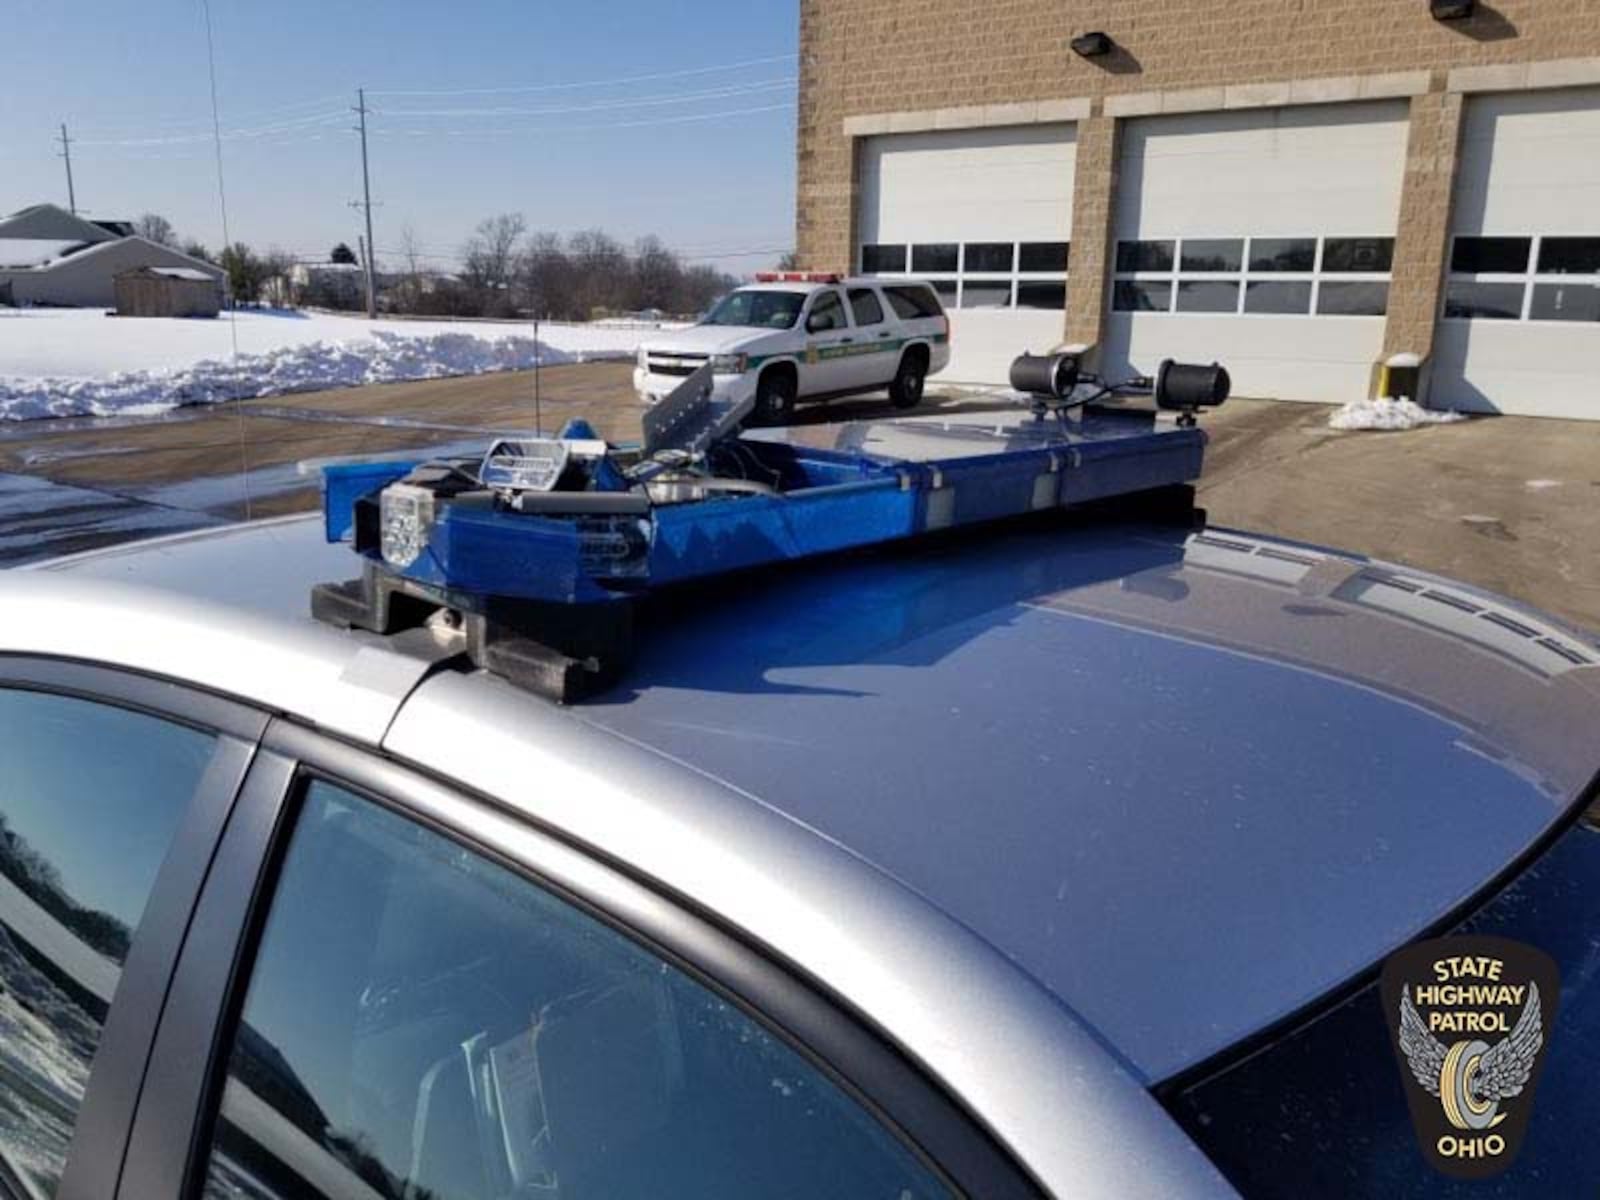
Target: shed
[(167, 292)]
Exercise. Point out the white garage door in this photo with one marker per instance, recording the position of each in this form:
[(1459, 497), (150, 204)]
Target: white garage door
[(1520, 331), (1261, 239), (986, 216)]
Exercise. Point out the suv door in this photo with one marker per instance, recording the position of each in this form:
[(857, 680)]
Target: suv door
[(878, 339), (827, 364), (113, 791), (428, 997)]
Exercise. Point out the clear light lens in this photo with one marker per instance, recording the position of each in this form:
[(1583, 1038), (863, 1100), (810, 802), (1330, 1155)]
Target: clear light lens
[(729, 364), (405, 517), (529, 466), (643, 357)]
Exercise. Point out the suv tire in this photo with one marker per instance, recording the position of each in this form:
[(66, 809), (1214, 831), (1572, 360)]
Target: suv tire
[(776, 392), (905, 390)]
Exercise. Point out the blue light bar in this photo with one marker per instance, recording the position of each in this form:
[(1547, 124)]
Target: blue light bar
[(839, 487)]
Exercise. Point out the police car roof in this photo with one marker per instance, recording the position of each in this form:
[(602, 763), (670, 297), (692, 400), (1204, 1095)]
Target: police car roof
[(1189, 782)]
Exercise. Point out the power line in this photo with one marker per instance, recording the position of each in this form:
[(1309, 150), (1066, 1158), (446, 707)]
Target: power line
[(585, 83), (277, 111), (181, 139), (717, 93), (654, 122)]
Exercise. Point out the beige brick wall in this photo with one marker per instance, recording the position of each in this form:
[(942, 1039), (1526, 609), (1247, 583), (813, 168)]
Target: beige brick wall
[(1093, 194), (860, 57), (871, 56), (1424, 226)]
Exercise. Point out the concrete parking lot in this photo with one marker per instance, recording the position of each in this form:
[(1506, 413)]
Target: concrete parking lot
[(1508, 503)]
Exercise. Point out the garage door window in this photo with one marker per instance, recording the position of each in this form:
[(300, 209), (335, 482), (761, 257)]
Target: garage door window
[(1283, 254), (1517, 278), (1269, 276), (1356, 256), (1347, 298), (935, 256), (90, 798), (988, 274), (883, 260), (423, 1022)]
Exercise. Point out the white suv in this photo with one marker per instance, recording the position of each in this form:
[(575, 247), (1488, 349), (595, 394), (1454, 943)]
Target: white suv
[(799, 336)]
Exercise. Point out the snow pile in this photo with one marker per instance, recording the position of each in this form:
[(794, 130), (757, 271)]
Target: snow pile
[(1389, 414), (386, 356)]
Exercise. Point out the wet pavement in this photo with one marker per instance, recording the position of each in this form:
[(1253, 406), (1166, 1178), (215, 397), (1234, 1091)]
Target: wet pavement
[(40, 519)]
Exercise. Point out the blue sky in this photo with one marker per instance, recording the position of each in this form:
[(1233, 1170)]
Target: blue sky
[(701, 154)]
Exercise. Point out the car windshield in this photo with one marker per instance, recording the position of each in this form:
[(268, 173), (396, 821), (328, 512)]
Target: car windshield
[(757, 309)]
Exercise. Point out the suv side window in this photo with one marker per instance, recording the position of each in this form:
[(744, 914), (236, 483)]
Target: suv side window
[(827, 313), (865, 305), (423, 1022), (90, 798), (913, 301)]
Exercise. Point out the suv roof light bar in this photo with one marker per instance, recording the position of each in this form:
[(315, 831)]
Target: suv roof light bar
[(798, 277)]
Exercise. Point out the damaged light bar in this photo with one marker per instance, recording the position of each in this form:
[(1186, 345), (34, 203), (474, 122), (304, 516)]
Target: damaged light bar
[(536, 551)]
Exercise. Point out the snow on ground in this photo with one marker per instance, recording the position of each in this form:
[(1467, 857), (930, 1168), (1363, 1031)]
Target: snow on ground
[(1389, 415), (77, 362)]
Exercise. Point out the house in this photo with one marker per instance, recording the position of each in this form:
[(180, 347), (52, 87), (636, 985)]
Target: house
[(328, 285), (167, 292), (1301, 191), (51, 256)]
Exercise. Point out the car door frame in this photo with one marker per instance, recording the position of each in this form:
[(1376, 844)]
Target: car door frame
[(876, 366), (171, 1136), (104, 1120), (826, 374)]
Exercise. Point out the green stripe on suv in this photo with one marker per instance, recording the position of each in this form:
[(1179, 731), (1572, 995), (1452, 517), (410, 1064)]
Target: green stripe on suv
[(818, 353)]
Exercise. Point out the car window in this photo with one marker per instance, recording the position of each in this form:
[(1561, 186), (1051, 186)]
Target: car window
[(756, 309), (827, 312), (912, 301), (90, 798), (865, 306), (423, 1022)]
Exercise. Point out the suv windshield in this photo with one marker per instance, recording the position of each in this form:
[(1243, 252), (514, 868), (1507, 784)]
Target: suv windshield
[(758, 309)]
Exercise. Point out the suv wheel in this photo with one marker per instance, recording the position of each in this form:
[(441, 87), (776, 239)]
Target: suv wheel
[(905, 390), (775, 396)]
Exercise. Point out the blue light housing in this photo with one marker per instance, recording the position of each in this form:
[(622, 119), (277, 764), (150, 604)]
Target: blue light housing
[(536, 528)]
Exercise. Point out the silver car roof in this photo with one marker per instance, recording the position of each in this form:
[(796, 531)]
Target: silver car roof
[(1179, 784)]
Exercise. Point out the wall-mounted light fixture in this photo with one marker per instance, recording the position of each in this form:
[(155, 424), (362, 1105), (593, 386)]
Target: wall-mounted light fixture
[(1451, 10), (1091, 45)]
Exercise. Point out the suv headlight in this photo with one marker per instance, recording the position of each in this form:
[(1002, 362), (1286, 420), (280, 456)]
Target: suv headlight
[(730, 364), (642, 357)]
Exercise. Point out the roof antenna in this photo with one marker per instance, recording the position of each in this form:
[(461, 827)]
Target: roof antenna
[(227, 242)]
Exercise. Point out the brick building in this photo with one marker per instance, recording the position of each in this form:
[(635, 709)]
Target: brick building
[(1299, 188)]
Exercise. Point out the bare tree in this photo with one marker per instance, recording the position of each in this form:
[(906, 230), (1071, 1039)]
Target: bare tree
[(277, 272), (490, 259), (545, 277), (246, 272), (657, 276), (409, 294), (602, 270), (156, 228)]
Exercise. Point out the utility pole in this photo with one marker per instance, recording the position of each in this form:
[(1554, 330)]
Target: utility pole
[(66, 153), (365, 204)]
